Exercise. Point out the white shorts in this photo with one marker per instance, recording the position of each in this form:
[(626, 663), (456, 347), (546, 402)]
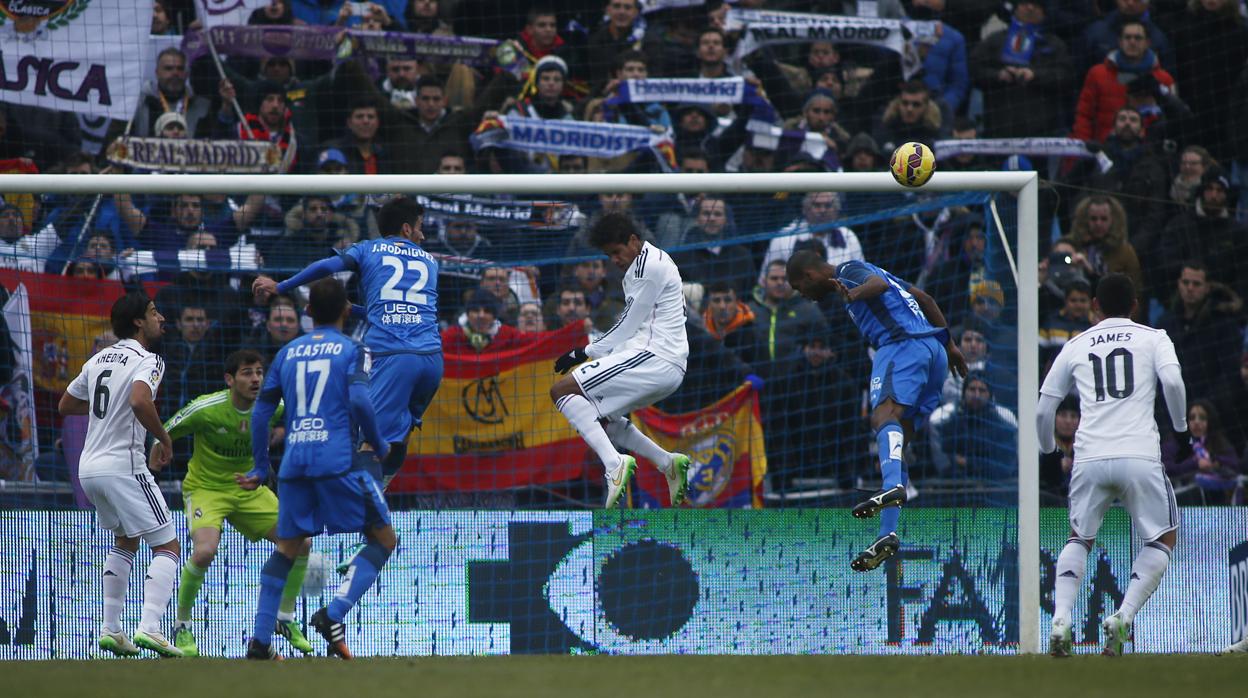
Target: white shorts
[(626, 381), (130, 506), (1140, 483)]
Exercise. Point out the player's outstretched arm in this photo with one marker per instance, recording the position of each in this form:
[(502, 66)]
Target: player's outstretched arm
[(319, 269), (931, 310)]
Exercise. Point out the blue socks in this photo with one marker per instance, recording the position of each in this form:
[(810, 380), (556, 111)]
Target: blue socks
[(272, 580), (890, 439), (363, 572)]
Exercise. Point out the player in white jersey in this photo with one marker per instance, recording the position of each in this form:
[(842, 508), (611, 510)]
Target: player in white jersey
[(1115, 367), (116, 388), (636, 363)]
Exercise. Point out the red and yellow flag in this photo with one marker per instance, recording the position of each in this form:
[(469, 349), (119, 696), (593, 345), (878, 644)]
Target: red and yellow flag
[(492, 426), (725, 441)]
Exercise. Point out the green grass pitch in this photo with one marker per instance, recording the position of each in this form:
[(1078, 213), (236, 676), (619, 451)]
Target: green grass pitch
[(1133, 676)]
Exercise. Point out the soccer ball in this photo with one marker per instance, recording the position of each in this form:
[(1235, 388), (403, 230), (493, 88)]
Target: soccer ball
[(912, 164)]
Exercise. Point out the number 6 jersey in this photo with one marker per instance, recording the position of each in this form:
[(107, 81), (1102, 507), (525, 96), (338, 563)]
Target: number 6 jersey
[(1114, 367), (116, 442)]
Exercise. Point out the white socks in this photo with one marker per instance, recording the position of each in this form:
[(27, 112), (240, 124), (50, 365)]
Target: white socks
[(1071, 563), (116, 578), (157, 588), (584, 418), (1150, 566), (626, 435)]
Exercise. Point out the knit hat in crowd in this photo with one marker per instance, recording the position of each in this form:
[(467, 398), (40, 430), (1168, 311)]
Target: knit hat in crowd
[(170, 117)]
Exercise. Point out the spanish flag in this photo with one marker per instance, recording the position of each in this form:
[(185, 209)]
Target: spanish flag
[(725, 441), (492, 425), (69, 322)]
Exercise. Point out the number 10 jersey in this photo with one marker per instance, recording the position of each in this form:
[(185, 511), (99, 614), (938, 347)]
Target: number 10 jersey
[(115, 440), (1114, 367)]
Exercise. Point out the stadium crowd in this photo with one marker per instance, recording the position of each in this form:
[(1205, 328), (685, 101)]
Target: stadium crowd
[(1156, 91)]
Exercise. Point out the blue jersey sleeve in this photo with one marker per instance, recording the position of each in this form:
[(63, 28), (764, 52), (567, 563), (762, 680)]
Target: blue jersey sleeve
[(319, 269), (272, 387), (855, 272)]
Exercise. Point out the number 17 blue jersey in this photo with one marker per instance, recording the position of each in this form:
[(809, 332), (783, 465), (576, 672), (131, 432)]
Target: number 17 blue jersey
[(400, 282)]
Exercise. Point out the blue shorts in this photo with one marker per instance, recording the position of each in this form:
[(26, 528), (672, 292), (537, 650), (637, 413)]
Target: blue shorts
[(912, 373), (401, 387), (347, 503)]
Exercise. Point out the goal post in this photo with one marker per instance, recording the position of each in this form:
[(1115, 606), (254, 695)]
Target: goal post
[(1021, 185)]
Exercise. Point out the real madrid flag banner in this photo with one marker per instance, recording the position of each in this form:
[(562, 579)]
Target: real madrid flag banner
[(83, 56), (491, 425), (196, 156), (725, 442)]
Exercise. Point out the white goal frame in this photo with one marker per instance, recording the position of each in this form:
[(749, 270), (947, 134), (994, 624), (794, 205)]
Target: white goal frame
[(1023, 185)]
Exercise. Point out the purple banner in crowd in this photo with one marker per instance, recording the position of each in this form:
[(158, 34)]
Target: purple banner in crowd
[(320, 43)]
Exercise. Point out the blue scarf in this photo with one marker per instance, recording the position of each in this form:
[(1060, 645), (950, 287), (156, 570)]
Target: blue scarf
[(1141, 67), (1020, 43)]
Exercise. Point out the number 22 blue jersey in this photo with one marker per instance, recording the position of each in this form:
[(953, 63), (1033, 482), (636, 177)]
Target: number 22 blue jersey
[(313, 374), (400, 282), (889, 317)]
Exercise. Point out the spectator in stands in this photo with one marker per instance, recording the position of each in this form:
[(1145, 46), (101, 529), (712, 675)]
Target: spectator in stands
[(976, 437), (361, 146), (1209, 232), (202, 283), (281, 326), (276, 13), (193, 365), (1167, 120), (314, 230), (1193, 162), (421, 16), (439, 128), (949, 280), (605, 300), (1055, 467), (620, 33), (1105, 85), (673, 44), (314, 12), (498, 280), (1138, 174), (1020, 70), (1102, 36), (84, 268), (633, 65), (272, 122), (183, 216), (1210, 475), (170, 92), (100, 249), (451, 162), (1230, 396), (1064, 325), (974, 347), (530, 318), (944, 55), (713, 260), (19, 250), (964, 129), (911, 116), (862, 154), (696, 128), (730, 320), (1202, 322), (784, 322), (353, 206), (171, 125), (161, 24), (1211, 38), (459, 237), (479, 329), (819, 209), (1099, 230), (570, 307), (819, 116), (305, 97)]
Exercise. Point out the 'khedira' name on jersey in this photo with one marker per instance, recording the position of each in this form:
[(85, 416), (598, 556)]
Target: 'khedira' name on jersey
[(1114, 367), (653, 319), (115, 439)]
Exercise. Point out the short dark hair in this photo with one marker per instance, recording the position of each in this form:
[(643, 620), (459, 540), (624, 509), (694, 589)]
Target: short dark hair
[(720, 286), (914, 87), (127, 309), (1116, 294), (429, 81), (362, 102), (630, 56), (1138, 22), (692, 153), (1194, 265), (1078, 285), (243, 357), (326, 301), (540, 11), (713, 30), (803, 261), (397, 211), (612, 229)]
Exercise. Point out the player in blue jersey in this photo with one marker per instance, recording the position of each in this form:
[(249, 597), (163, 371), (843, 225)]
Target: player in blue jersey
[(913, 352), (324, 482), (400, 285)]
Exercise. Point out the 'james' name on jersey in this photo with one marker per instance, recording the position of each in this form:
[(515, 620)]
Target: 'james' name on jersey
[(1114, 366)]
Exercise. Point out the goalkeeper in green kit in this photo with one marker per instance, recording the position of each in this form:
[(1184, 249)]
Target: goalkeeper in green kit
[(221, 425)]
